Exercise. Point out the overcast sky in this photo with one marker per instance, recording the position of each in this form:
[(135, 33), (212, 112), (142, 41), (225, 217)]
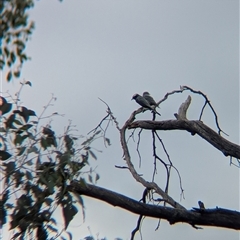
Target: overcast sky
[(82, 50)]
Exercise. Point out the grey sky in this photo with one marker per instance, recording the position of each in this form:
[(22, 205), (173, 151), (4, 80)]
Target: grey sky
[(82, 50)]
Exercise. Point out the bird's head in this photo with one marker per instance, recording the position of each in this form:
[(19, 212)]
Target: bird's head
[(146, 93), (135, 96)]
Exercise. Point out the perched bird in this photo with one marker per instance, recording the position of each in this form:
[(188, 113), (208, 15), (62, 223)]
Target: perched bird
[(201, 205), (150, 99), (144, 103)]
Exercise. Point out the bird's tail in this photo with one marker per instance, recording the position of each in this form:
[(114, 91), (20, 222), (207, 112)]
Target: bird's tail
[(155, 111)]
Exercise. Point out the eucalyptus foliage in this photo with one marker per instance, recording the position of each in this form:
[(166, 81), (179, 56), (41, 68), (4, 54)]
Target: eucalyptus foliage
[(36, 166)]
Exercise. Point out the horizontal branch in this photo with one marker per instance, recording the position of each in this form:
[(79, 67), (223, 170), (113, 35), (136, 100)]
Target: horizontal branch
[(195, 127), (216, 217)]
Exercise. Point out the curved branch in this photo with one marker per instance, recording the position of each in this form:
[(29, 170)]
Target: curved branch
[(217, 217), (195, 127), (127, 158), (207, 102)]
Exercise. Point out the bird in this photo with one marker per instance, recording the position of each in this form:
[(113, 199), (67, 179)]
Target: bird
[(201, 205), (144, 103), (150, 99)]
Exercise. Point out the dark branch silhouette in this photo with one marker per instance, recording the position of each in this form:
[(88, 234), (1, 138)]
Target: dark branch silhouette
[(194, 127), (170, 209), (217, 217)]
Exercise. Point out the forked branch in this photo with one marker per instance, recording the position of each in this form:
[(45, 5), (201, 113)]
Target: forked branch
[(127, 158), (194, 127)]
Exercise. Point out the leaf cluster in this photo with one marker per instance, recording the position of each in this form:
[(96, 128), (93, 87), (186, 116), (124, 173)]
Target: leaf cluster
[(15, 31), (36, 166)]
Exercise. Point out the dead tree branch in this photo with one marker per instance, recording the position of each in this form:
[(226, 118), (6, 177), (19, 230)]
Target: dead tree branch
[(217, 217), (207, 102), (182, 111), (194, 127), (138, 178)]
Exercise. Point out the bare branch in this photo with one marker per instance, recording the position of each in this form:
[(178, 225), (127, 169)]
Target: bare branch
[(137, 228), (121, 167), (207, 102), (138, 143), (194, 127), (127, 158), (111, 114), (182, 111), (168, 94), (217, 217)]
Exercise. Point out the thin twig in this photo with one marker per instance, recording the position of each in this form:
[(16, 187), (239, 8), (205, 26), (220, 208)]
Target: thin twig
[(138, 142), (207, 101)]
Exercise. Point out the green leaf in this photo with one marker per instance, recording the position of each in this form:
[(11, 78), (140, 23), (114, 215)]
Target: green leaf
[(48, 201), (4, 155), (10, 167), (17, 122), (3, 213), (36, 191), (9, 122), (28, 83), (19, 43), (6, 51), (5, 108), (51, 141), (52, 229), (31, 136), (16, 235), (89, 238), (69, 235), (44, 143), (96, 133), (18, 177), (9, 76), (97, 177), (90, 178), (82, 182), (23, 57), (48, 131), (92, 154), (32, 149), (17, 74), (31, 113), (12, 57), (68, 142), (108, 141), (25, 114), (64, 159), (26, 127), (29, 175), (5, 197), (69, 211), (42, 233), (19, 139), (80, 201), (21, 150), (53, 221), (51, 184)]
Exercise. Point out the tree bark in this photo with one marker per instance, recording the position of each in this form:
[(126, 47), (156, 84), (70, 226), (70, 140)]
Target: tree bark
[(194, 127), (217, 217)]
